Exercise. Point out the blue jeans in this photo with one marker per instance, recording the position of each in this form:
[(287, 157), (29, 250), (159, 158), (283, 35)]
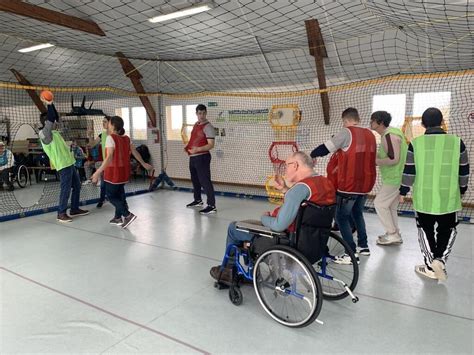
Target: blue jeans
[(102, 190), (116, 196), (236, 237), (347, 205), (69, 178)]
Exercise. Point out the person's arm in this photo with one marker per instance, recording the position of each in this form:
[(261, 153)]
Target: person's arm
[(139, 158), (52, 115), (339, 141), (409, 172), (392, 145), (204, 148), (109, 156), (95, 142), (289, 209), (464, 169)]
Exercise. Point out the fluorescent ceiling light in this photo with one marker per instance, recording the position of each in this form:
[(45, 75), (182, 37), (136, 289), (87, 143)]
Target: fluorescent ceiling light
[(35, 48), (181, 13)]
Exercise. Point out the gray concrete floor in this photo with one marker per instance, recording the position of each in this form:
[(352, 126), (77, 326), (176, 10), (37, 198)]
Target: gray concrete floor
[(90, 287)]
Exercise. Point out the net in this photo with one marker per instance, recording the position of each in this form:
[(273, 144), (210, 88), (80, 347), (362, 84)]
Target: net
[(249, 62)]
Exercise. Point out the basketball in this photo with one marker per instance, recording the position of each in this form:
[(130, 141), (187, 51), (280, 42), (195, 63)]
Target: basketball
[(47, 95)]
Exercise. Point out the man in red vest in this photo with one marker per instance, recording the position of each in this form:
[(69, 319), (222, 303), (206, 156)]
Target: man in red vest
[(355, 176), (198, 147), (305, 185)]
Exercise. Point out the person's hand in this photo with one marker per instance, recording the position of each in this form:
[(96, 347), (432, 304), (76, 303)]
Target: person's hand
[(401, 199), (95, 177), (314, 161), (45, 101), (377, 161), (148, 167), (267, 213), (193, 150), (279, 182)]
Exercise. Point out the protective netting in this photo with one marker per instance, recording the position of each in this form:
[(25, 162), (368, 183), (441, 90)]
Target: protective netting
[(19, 125), (249, 62)]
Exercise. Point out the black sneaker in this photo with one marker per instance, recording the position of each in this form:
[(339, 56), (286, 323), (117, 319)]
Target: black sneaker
[(128, 220), (195, 204), (116, 221), (78, 212), (208, 210), (64, 218), (364, 251), (100, 204)]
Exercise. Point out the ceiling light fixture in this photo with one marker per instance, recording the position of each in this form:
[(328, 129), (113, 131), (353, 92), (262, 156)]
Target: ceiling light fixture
[(181, 13), (35, 48)]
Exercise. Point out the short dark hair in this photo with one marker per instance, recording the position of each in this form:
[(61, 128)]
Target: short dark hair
[(351, 113), (201, 107), (432, 117), (381, 117)]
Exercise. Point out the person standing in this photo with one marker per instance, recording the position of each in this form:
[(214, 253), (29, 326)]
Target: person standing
[(102, 138), (437, 166), (391, 157), (116, 168), (198, 148), (62, 159), (355, 175)]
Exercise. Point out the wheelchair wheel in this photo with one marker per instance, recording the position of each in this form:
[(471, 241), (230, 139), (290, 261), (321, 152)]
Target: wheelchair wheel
[(335, 277), (235, 295), (287, 286), (22, 176)]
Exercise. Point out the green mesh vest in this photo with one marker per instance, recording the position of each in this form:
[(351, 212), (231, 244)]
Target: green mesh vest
[(392, 174), (58, 152), (103, 138), (436, 189)]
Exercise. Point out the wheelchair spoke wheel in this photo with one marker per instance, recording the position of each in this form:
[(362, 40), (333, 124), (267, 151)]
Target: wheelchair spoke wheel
[(287, 286), (333, 276), (22, 176)]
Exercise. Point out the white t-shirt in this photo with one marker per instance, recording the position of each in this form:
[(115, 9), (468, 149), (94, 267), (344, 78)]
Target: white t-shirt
[(109, 142)]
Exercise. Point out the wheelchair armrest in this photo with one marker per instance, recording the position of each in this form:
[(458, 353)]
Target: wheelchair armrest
[(258, 230)]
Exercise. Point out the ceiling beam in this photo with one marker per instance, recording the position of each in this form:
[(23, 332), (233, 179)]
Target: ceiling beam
[(318, 50), (135, 77), (33, 94), (41, 14)]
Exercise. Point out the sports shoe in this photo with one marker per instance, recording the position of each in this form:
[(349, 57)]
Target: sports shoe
[(116, 221), (208, 210), (389, 239), (439, 269), (128, 220), (194, 204), (364, 251), (345, 259), (100, 204), (423, 270), (64, 218), (78, 212)]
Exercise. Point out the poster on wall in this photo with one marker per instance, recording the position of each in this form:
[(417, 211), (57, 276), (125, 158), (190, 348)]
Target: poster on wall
[(243, 116)]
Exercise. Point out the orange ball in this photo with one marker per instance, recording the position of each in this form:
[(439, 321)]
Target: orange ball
[(47, 95)]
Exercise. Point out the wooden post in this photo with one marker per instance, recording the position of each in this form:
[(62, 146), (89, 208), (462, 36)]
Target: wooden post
[(58, 18), (318, 50), (134, 75), (33, 94)]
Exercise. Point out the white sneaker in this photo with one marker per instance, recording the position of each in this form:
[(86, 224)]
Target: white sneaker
[(439, 270), (423, 270), (345, 259), (389, 239)]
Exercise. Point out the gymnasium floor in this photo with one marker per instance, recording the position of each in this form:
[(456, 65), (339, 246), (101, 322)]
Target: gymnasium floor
[(90, 287)]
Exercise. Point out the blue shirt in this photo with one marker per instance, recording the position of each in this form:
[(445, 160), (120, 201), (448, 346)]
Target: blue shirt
[(288, 211)]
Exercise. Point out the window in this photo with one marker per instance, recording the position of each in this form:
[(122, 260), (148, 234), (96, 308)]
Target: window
[(134, 121), (178, 116), (424, 100), (174, 122), (394, 105), (191, 117)]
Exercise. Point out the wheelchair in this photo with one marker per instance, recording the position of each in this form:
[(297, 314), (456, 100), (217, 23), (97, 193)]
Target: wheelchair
[(19, 173), (292, 272)]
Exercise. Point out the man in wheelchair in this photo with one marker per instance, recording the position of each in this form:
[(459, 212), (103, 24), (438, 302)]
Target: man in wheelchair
[(7, 162), (303, 184)]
